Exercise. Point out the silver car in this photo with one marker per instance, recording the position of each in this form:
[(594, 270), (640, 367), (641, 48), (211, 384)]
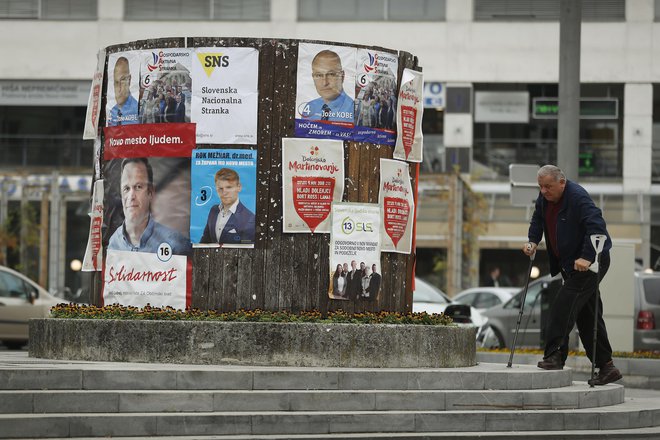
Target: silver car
[(500, 326), (646, 335), (21, 299)]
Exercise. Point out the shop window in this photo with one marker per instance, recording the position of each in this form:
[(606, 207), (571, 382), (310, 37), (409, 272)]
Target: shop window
[(371, 10), (246, 10), (546, 10), (49, 9)]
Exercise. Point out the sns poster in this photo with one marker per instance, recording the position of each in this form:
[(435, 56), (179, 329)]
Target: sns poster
[(225, 94), (409, 117), (376, 97), (123, 89), (325, 93), (313, 178), (146, 215), (355, 252), (224, 198), (396, 198), (165, 85)]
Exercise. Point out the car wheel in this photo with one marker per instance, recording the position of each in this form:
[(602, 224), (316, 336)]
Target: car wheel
[(14, 345), (491, 338)]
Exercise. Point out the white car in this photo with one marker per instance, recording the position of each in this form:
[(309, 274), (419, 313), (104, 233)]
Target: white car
[(428, 298), (20, 300), (482, 298)]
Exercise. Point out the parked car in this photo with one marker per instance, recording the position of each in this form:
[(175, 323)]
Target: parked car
[(482, 298), (646, 335), (500, 326), (21, 299), (428, 298)]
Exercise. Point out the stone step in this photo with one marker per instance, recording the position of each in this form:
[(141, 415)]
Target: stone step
[(632, 414), (578, 395), (120, 376), (612, 434)]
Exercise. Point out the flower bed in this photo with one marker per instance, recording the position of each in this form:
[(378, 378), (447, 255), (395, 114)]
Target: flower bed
[(252, 338)]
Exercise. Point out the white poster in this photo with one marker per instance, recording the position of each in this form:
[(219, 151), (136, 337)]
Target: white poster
[(94, 102), (376, 100), (225, 94), (355, 252), (141, 278), (165, 85), (313, 178), (396, 198), (409, 117), (325, 92), (94, 251), (123, 88)]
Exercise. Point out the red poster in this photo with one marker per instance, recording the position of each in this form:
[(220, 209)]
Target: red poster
[(312, 198), (396, 214), (149, 140), (409, 121)]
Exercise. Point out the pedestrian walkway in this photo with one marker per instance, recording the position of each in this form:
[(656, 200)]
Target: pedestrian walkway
[(63, 399)]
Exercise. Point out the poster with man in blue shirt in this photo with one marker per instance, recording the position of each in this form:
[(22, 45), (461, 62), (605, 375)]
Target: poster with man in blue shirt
[(324, 108), (123, 109)]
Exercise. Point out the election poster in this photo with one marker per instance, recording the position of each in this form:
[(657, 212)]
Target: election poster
[(355, 272), (376, 97), (146, 215), (94, 102), (325, 93), (395, 196), (92, 260), (313, 178), (123, 88), (409, 117), (225, 94), (224, 198), (165, 85)]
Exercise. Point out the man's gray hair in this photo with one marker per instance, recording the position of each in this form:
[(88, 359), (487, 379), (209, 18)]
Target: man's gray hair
[(553, 171)]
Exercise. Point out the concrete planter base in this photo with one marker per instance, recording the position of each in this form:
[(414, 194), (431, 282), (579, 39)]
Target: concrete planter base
[(254, 343)]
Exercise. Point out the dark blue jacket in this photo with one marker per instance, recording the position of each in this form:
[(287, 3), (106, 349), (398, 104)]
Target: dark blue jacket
[(578, 219), (238, 230)]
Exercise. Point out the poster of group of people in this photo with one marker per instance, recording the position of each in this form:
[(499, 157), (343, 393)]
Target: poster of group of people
[(216, 88), (346, 93), (355, 252), (161, 196)]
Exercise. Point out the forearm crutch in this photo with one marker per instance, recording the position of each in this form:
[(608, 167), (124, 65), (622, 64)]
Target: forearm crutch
[(522, 306), (598, 242)]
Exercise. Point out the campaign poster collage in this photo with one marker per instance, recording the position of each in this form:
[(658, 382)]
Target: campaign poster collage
[(161, 196)]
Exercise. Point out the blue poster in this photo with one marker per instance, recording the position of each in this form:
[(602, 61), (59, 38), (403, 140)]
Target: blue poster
[(224, 197)]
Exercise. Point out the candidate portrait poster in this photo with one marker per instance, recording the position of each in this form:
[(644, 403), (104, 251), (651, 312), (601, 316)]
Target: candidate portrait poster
[(395, 196), (409, 117), (355, 252), (146, 215), (225, 94), (325, 93), (223, 201), (376, 97), (313, 178), (165, 85), (123, 88)]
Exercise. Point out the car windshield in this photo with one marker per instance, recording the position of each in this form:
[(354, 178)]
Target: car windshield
[(532, 293), (652, 290), (425, 292)]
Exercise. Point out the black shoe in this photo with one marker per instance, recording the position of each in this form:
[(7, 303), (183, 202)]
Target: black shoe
[(552, 362), (608, 373)]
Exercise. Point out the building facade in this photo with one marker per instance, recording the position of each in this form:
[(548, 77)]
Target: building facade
[(491, 69)]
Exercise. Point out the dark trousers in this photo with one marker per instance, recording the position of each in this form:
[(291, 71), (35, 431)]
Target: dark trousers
[(575, 304)]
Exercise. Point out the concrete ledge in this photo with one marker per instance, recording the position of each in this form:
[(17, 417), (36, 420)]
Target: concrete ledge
[(254, 343)]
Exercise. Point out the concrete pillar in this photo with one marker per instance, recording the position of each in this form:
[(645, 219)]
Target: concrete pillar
[(570, 16)]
